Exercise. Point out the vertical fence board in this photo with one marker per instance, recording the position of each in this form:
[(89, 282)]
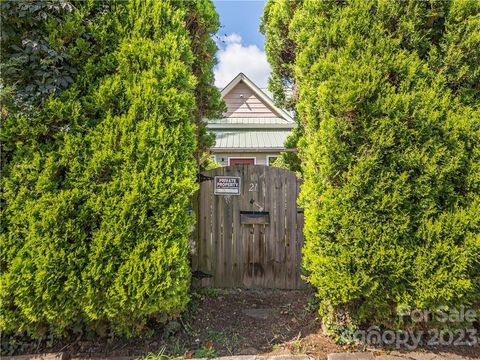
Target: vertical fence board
[(290, 209), (269, 194), (299, 242), (207, 232), (219, 240), (237, 249)]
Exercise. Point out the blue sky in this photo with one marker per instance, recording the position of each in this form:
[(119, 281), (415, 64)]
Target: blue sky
[(243, 18), (241, 45)]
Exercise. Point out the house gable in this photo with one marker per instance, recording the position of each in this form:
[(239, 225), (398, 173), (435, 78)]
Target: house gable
[(242, 102), (252, 127), (246, 100)]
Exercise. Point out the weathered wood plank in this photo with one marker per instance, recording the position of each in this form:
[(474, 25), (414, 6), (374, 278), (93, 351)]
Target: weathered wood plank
[(218, 241), (269, 196), (300, 284), (248, 232), (284, 216), (209, 249), (263, 228), (279, 233), (227, 237), (205, 232), (291, 219), (237, 249)]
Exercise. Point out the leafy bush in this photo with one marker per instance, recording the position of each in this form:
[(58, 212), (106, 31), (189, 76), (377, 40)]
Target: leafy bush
[(210, 164), (99, 176), (388, 95)]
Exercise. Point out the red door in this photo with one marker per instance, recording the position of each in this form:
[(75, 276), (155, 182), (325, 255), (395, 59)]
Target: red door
[(245, 161)]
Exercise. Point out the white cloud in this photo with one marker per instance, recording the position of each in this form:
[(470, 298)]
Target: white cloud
[(232, 38), (235, 58)]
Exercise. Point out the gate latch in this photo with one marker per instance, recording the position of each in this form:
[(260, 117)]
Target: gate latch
[(201, 178), (198, 274), (257, 205)]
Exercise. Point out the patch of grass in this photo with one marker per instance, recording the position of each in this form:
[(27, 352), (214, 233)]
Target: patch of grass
[(312, 304), (162, 355), (221, 338), (296, 345), (206, 352), (210, 292), (216, 335), (178, 348), (230, 345), (157, 356), (171, 328)]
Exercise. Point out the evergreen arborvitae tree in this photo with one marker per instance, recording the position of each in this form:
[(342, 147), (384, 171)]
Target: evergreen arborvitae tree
[(202, 24), (388, 93), (45, 228), (281, 52), (96, 205)]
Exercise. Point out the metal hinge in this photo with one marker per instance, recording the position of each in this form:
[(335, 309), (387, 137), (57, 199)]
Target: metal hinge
[(198, 274)]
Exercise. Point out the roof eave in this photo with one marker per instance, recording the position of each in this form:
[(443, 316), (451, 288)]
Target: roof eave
[(250, 150), (252, 126)]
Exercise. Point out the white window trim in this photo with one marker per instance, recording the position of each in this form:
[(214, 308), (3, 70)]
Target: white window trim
[(213, 157), (243, 157), (271, 156)]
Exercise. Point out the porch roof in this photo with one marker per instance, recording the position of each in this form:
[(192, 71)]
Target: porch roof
[(250, 139)]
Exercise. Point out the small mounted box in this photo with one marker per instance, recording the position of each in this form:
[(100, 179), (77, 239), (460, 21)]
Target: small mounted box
[(254, 217)]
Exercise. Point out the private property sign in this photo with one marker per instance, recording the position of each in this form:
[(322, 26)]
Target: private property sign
[(227, 185)]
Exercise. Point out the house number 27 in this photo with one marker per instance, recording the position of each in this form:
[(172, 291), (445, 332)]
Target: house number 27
[(253, 187)]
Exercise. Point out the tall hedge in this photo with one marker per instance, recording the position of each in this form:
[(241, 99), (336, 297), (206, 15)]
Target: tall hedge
[(99, 175), (281, 51), (388, 94)]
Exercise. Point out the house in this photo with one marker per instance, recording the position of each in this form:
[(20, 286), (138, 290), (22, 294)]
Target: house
[(253, 130)]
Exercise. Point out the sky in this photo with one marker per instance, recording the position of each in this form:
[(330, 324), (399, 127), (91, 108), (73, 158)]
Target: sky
[(241, 45)]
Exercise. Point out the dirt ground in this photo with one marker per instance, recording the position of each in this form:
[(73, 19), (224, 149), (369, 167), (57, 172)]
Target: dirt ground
[(229, 322), (259, 322), (222, 323)]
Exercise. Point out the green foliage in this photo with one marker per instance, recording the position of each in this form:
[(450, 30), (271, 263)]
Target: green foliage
[(202, 23), (206, 352), (209, 164), (281, 53), (161, 355), (39, 43), (98, 178), (388, 95), (289, 159), (280, 49)]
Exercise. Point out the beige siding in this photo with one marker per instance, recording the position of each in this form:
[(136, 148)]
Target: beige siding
[(247, 106)]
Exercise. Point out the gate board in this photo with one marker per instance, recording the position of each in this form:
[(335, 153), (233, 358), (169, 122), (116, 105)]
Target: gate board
[(251, 240)]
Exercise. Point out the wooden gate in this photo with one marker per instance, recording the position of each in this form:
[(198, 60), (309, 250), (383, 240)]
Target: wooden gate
[(250, 230)]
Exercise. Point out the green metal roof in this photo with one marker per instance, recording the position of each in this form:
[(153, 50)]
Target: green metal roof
[(250, 139)]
